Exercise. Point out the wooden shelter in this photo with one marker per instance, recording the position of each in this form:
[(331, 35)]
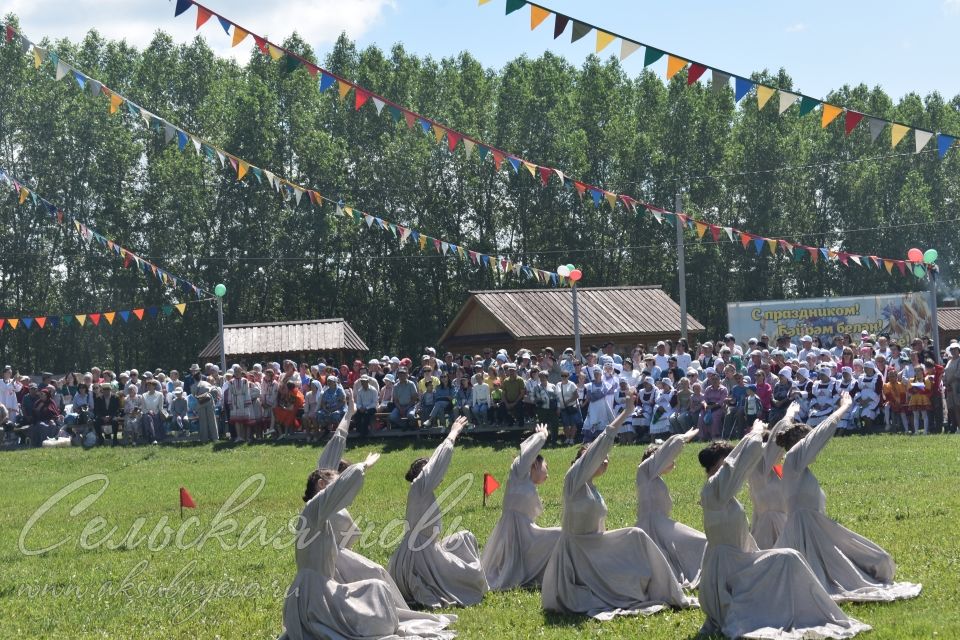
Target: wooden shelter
[(538, 318), (948, 319), (298, 340)]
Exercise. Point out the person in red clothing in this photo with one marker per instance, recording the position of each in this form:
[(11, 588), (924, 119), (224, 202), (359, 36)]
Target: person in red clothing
[(354, 374), (46, 416), (288, 413)]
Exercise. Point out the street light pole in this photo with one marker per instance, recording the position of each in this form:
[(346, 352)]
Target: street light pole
[(576, 323), (681, 269), (223, 354), (933, 270)]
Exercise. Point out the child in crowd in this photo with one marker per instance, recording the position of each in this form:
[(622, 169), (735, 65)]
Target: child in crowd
[(311, 402), (626, 434), (752, 407), (427, 400), (480, 399)]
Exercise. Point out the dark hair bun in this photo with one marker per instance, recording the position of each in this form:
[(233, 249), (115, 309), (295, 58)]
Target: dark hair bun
[(415, 468)]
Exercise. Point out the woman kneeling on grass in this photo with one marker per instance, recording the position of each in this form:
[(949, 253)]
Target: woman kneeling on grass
[(745, 592), (604, 573), (430, 571)]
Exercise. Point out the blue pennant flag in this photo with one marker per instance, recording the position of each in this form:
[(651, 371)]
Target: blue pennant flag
[(81, 81), (485, 259), (596, 194), (742, 87), (182, 5), (153, 311), (27, 321), (125, 315), (426, 126), (825, 252), (223, 22), (515, 163), (944, 143), (53, 321), (326, 81), (182, 139), (758, 244)]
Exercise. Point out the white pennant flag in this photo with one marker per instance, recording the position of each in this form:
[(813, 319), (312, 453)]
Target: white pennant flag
[(223, 160), (147, 117), (405, 235), (627, 47), (270, 178), (443, 248), (339, 209), (787, 100), (62, 69), (297, 193), (922, 138), (368, 219), (378, 103), (468, 144), (196, 144), (94, 87), (729, 232)]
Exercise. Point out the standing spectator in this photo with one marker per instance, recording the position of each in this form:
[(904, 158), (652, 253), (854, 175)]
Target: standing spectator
[(9, 388), (269, 391), (206, 412), (682, 354), (951, 387), (240, 404), (311, 405), (568, 407), (151, 424)]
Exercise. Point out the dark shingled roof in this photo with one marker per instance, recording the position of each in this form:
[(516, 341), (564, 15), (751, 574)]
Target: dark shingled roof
[(299, 336), (949, 319), (604, 311)]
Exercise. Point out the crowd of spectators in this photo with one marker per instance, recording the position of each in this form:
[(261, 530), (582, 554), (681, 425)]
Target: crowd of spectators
[(719, 387)]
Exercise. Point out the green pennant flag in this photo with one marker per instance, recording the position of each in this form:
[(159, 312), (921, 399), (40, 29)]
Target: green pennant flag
[(394, 113), (651, 55), (798, 254), (357, 216), (292, 64), (515, 5), (807, 105), (167, 309), (66, 320)]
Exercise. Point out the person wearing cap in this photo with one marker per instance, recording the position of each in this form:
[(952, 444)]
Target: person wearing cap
[(650, 368), (951, 386), (806, 346), (179, 409), (713, 407), (406, 395), (782, 396), (706, 358)]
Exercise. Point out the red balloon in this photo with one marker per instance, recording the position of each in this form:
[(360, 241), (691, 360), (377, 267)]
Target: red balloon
[(576, 274), (915, 255)]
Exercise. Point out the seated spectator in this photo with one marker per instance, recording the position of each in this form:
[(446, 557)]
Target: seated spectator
[(333, 401), (366, 400), (427, 402), (513, 391), (106, 415), (46, 416), (405, 399), (311, 405), (385, 398), (179, 410)]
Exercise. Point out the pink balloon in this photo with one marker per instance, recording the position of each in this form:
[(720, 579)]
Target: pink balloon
[(576, 274), (915, 255)]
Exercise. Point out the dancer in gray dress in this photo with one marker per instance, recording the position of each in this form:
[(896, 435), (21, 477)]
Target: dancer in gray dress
[(766, 487)]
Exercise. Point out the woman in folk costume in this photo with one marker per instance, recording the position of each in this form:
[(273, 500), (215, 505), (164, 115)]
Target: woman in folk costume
[(646, 405), (745, 592), (869, 397), (662, 409), (603, 573), (600, 409), (766, 486), (681, 545), (430, 571), (823, 397), (850, 567), (626, 434), (847, 384), (517, 551), (805, 386), (895, 402), (321, 605), (241, 405)]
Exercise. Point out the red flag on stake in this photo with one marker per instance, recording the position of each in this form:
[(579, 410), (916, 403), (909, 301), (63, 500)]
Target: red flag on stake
[(490, 485), (778, 469), (186, 500)]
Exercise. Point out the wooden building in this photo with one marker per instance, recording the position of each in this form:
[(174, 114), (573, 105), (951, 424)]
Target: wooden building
[(948, 319), (299, 340), (538, 318)]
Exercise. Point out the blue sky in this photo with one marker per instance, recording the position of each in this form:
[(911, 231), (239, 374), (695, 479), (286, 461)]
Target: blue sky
[(902, 47)]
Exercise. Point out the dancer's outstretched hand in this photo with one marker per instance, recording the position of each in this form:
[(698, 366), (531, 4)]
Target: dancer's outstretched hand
[(691, 434), (758, 426), (542, 428), (371, 460), (458, 426)]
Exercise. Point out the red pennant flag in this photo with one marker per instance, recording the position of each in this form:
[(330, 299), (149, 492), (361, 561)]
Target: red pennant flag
[(138, 313), (497, 160), (745, 239), (360, 96), (715, 232), (94, 318), (126, 258), (545, 175), (41, 321), (851, 120), (490, 484), (186, 500), (844, 257), (814, 254), (694, 72), (262, 45), (453, 139), (9, 33), (59, 216), (410, 118), (202, 16), (3, 321), (902, 266), (778, 469), (580, 187)]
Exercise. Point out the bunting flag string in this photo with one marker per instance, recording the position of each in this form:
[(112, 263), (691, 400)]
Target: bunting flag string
[(99, 319), (545, 174), (61, 217), (243, 169), (742, 85)]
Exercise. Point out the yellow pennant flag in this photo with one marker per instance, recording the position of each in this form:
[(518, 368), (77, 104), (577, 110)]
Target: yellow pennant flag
[(889, 266), (182, 307), (275, 53), (603, 39), (23, 194), (344, 89), (482, 2), (81, 318), (438, 132), (897, 132), (773, 246), (242, 169), (830, 113), (13, 322), (37, 58), (110, 315), (115, 102), (537, 15), (701, 229), (348, 212), (763, 95), (674, 65), (532, 168), (423, 242), (238, 35), (611, 199)]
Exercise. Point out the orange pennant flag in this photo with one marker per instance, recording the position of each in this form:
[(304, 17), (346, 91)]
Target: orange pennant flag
[(438, 132), (888, 265), (830, 113), (344, 89), (138, 313), (242, 168), (13, 322), (778, 469), (537, 15), (23, 194), (202, 16), (115, 102), (180, 307), (238, 35), (701, 229), (110, 315), (674, 65), (81, 318)]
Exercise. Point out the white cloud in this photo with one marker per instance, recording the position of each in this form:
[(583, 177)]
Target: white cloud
[(319, 22), (796, 28), (951, 7)]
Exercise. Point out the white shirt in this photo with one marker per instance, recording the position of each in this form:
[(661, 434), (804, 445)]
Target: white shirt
[(481, 393), (683, 361), (567, 395), (662, 362), (367, 398)]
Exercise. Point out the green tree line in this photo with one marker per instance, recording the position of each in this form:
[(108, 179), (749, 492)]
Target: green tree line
[(778, 176)]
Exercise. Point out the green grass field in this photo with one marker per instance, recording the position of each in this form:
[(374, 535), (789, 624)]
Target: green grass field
[(901, 492)]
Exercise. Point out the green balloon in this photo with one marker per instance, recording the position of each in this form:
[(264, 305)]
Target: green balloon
[(919, 271), (930, 256), (220, 290), (571, 267)]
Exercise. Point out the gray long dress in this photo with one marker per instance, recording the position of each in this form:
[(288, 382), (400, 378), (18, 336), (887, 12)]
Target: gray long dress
[(748, 593), (603, 573), (517, 551), (682, 545), (766, 492), (318, 606), (430, 571), (850, 567)]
